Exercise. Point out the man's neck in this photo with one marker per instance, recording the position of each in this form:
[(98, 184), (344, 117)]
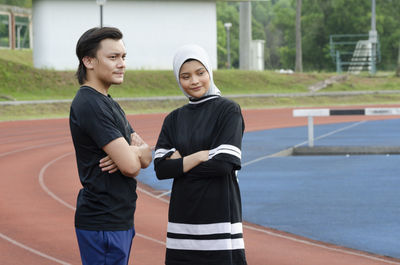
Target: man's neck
[(98, 86)]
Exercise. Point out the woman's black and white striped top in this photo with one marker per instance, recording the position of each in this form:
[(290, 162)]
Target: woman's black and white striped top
[(205, 215)]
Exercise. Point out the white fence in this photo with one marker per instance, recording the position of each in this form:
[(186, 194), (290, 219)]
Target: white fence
[(311, 113)]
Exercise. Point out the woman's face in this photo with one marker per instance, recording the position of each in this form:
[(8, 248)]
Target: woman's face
[(194, 79)]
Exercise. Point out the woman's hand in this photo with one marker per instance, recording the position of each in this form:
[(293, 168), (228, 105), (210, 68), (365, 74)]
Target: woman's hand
[(203, 155), (194, 160)]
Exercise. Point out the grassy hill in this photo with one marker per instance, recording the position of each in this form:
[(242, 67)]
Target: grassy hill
[(20, 81)]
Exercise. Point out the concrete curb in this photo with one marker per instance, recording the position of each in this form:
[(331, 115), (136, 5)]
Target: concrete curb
[(345, 150), (267, 95)]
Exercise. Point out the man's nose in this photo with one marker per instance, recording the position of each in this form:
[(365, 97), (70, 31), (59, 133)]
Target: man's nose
[(121, 63)]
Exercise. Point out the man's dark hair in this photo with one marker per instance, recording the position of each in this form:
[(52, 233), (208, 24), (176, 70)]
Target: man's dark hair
[(88, 45)]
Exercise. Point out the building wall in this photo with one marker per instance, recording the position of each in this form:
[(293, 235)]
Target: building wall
[(152, 30)]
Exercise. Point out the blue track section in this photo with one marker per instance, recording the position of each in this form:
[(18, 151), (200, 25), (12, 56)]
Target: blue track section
[(351, 201)]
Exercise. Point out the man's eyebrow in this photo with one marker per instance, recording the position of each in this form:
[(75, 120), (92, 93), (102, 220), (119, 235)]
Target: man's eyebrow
[(117, 53)]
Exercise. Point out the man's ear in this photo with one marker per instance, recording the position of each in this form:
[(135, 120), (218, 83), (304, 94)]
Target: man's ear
[(88, 62)]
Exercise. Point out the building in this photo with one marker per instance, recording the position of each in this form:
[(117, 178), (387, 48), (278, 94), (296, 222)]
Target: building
[(15, 27), (152, 30)]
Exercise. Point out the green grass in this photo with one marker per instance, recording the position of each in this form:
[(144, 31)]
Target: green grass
[(20, 81), (23, 57)]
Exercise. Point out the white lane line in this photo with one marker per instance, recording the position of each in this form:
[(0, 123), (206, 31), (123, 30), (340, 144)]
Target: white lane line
[(34, 251), (302, 143), (319, 245), (32, 147), (152, 195), (163, 194), (151, 239), (47, 190), (335, 131), (19, 244), (66, 204)]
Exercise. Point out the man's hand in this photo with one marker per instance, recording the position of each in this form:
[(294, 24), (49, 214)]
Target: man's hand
[(136, 140), (107, 164), (143, 150)]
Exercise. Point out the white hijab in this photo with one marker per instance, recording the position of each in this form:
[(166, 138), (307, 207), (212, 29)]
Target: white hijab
[(196, 52)]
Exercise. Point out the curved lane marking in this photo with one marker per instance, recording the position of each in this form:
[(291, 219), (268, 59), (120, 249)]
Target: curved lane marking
[(47, 190), (34, 251), (32, 147), (55, 197), (19, 244)]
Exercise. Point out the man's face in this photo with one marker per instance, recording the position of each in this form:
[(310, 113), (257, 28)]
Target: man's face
[(109, 64)]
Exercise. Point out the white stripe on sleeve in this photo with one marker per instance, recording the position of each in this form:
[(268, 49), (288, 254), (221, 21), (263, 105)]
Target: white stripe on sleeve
[(225, 149), (162, 152)]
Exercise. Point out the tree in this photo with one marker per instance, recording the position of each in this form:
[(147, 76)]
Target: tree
[(228, 12), (281, 35), (21, 3), (398, 63), (275, 21), (299, 52)]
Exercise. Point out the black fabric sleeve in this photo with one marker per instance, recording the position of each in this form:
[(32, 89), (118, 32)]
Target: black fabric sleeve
[(98, 122), (228, 138), (212, 168), (169, 168), (166, 168)]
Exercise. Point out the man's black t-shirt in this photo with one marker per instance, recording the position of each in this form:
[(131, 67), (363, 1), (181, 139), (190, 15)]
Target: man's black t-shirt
[(106, 201)]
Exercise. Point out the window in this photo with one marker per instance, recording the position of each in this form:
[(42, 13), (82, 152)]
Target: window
[(22, 32), (5, 30)]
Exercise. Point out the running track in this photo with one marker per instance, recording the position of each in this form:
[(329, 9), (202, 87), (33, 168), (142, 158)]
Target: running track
[(39, 184)]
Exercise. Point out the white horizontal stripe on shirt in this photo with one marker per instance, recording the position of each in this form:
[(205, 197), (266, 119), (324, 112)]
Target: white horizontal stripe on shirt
[(214, 244), (205, 229), (203, 100), (162, 152), (225, 149)]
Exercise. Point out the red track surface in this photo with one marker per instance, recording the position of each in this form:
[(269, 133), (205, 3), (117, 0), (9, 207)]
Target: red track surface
[(39, 184)]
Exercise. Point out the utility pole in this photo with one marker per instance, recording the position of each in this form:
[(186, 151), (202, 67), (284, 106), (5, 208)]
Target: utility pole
[(398, 63), (228, 44), (101, 3), (299, 52), (373, 38), (244, 35)]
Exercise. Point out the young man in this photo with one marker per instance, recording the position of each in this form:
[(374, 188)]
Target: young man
[(109, 153)]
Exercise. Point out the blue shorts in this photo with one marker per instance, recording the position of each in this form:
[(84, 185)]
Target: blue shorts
[(105, 247)]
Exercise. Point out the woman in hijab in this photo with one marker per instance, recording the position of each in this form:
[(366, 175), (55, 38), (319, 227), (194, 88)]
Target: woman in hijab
[(199, 146)]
